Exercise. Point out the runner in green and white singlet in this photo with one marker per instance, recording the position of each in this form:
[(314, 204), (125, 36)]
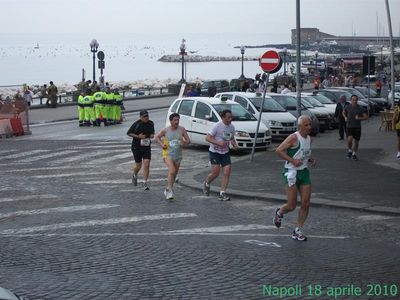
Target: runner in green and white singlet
[(296, 151)]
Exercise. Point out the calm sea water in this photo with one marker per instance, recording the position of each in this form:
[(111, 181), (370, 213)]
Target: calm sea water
[(61, 58)]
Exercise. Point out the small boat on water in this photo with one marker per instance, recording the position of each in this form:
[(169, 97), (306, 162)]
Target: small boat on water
[(37, 46)]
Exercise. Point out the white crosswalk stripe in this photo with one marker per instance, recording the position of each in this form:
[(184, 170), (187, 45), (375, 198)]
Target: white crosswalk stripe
[(56, 210), (84, 156), (28, 197), (111, 158), (120, 181), (47, 156), (24, 154), (7, 151), (62, 175), (91, 223)]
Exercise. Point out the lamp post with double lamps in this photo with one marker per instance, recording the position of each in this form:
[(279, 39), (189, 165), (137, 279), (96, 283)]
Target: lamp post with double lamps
[(242, 50), (183, 52), (316, 62), (94, 45), (284, 52)]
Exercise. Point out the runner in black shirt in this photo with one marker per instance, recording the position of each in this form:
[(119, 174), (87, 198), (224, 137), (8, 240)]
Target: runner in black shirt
[(141, 131)]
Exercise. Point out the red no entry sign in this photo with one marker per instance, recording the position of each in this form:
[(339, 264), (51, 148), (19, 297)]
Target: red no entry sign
[(270, 62)]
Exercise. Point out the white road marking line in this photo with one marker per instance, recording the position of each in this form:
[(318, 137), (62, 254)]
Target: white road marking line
[(7, 151), (50, 156), (28, 197), (166, 234), (23, 154), (111, 158), (64, 175), (45, 169), (224, 228), (121, 181), (56, 209), (262, 243), (122, 146), (90, 223), (83, 156), (375, 217)]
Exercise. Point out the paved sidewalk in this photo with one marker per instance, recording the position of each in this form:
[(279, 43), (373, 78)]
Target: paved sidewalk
[(370, 184)]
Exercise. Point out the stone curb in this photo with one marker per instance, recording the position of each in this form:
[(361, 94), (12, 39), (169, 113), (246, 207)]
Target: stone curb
[(189, 181)]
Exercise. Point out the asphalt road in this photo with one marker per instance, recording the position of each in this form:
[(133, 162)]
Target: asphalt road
[(72, 226)]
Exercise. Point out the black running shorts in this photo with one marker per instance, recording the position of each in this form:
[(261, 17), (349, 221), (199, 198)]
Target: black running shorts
[(141, 153)]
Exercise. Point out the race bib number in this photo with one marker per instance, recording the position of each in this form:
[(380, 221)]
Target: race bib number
[(145, 142), (227, 136), (306, 154), (174, 143)]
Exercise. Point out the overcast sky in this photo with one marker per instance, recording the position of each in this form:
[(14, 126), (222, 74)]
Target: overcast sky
[(338, 17)]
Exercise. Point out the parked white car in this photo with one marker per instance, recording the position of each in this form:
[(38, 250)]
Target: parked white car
[(325, 101), (199, 114), (281, 122), (396, 93)]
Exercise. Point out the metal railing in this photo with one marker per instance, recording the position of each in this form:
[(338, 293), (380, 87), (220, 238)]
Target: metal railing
[(126, 94)]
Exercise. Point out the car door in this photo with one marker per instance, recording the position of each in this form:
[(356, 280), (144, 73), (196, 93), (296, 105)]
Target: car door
[(185, 112), (202, 122)]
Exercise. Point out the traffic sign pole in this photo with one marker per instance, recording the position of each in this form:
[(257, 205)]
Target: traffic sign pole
[(259, 117), (270, 62)]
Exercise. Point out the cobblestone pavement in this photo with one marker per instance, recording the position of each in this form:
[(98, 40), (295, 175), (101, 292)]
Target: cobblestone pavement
[(72, 226)]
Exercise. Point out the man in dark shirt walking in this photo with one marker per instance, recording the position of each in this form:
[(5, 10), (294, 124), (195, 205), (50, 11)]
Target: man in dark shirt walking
[(141, 131), (353, 114), (340, 107)]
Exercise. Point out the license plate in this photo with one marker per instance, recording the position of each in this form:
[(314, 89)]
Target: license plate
[(259, 140)]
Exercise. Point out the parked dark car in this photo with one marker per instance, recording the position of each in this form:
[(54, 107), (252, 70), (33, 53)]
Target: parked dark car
[(372, 107), (290, 104), (334, 95), (220, 84), (237, 83), (381, 103)]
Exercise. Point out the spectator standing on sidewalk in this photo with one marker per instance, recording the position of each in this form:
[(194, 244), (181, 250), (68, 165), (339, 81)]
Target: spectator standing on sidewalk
[(52, 92), (353, 114), (141, 132), (378, 87), (28, 95), (396, 126), (296, 151), (43, 94), (340, 106), (220, 136), (212, 89)]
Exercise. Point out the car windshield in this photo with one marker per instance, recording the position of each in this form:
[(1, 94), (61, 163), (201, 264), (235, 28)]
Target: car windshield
[(357, 93), (340, 93), (397, 88), (207, 84), (286, 101), (238, 112), (270, 105), (313, 101), (306, 103), (323, 99)]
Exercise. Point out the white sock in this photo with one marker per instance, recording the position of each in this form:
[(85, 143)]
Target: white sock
[(221, 192)]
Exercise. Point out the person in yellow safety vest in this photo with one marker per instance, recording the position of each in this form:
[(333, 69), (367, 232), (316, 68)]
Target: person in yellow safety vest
[(100, 107), (118, 109), (110, 106), (81, 109), (90, 117)]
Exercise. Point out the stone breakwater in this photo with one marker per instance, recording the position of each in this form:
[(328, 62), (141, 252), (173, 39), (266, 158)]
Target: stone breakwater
[(201, 58)]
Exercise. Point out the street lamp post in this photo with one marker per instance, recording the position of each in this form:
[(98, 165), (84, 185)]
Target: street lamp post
[(316, 63), (183, 52), (242, 50), (93, 48), (284, 61)]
